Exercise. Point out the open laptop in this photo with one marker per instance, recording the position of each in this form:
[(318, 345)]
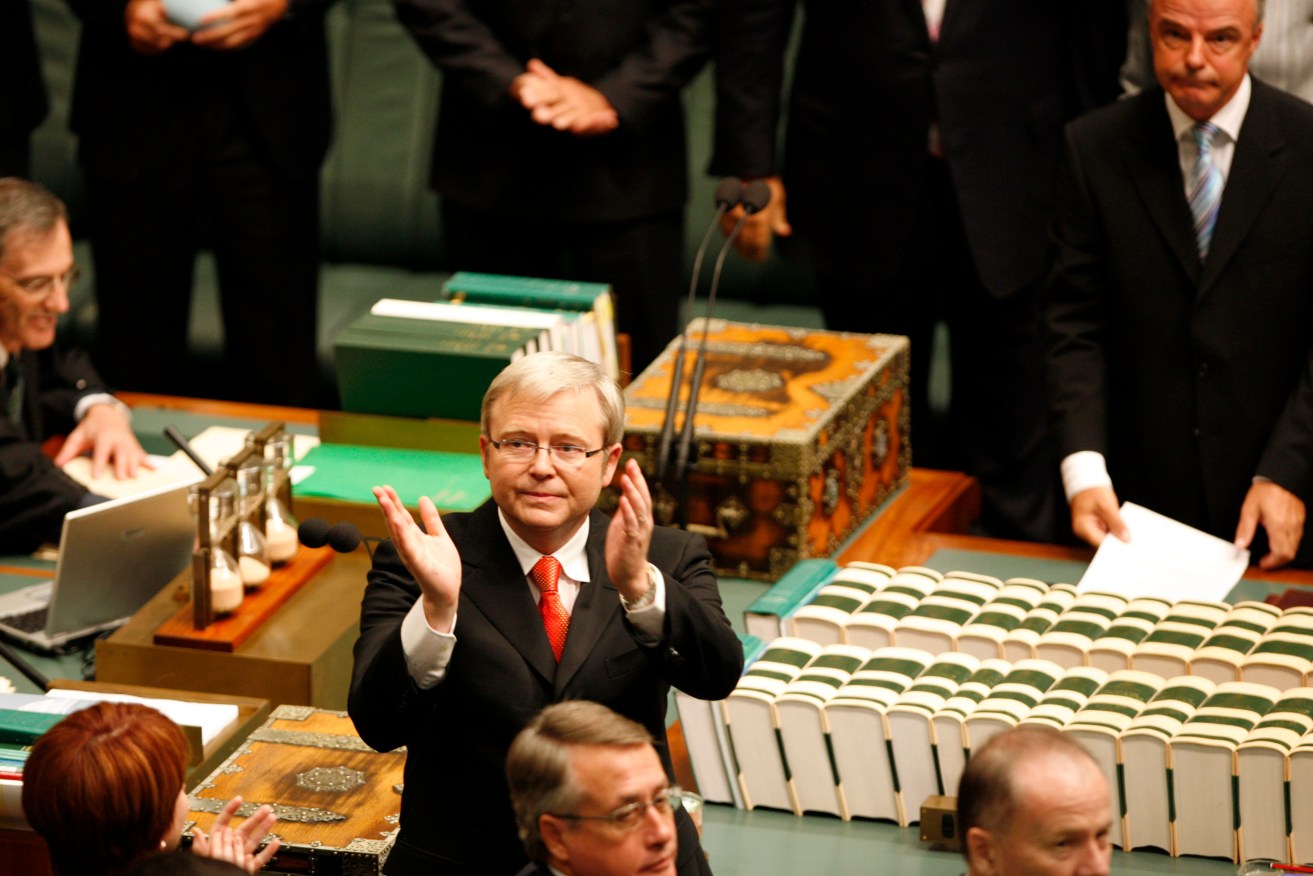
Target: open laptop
[(113, 557)]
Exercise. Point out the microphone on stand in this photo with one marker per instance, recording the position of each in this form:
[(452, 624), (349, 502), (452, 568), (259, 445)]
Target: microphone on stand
[(756, 195), (729, 194), (343, 537)]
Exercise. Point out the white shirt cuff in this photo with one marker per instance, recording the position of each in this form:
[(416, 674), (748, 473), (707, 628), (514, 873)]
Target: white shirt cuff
[(85, 403), (1084, 470), (427, 651), (649, 620)]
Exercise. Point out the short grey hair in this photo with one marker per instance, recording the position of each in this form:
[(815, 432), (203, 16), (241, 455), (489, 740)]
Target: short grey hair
[(27, 208), (987, 794), (540, 376), (538, 762)]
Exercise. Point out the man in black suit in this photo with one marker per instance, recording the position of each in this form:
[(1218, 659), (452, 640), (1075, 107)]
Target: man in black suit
[(454, 657), (46, 390), (560, 146), (919, 171), (216, 135), (1179, 328), (590, 795), (23, 95)]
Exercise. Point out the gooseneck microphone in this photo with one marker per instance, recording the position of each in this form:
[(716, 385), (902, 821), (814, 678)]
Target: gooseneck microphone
[(729, 194), (342, 537), (756, 195)]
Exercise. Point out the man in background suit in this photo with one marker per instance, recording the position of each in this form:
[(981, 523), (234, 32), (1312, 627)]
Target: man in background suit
[(590, 795), (46, 390), (560, 147), (1178, 305), (454, 657), (920, 174), (213, 135), (23, 93)]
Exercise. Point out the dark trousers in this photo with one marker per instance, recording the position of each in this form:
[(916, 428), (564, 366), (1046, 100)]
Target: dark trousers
[(264, 232), (641, 258), (995, 428)]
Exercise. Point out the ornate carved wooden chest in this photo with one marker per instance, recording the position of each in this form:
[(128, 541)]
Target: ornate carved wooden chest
[(337, 800), (801, 435)]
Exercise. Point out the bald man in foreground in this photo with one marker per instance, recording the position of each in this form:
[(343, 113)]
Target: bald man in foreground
[(1032, 802)]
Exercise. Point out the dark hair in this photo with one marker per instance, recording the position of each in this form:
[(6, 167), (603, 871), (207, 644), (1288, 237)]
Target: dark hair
[(987, 794), (101, 787)]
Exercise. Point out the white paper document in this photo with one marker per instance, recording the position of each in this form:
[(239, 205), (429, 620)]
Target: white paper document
[(1166, 559)]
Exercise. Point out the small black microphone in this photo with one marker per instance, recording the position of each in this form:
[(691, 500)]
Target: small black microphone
[(729, 194), (342, 537), (756, 195)]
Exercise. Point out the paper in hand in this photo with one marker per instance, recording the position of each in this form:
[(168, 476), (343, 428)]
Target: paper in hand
[(188, 13)]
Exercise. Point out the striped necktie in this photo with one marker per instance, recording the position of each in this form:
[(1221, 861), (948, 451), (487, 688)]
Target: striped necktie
[(1205, 186), (546, 575)]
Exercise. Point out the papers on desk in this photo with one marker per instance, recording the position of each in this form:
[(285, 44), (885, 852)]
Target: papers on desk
[(211, 718), (1166, 559), (214, 445)]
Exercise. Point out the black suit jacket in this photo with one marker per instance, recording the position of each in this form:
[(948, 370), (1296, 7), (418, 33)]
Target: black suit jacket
[(487, 153), (34, 494), (867, 85), (1191, 378), (456, 808), (126, 106), (23, 96)]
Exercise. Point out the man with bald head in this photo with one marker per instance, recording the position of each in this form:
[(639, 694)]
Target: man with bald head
[(1178, 307), (1032, 802)]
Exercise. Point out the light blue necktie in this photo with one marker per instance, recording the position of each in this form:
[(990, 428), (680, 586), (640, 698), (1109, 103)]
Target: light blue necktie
[(1205, 186)]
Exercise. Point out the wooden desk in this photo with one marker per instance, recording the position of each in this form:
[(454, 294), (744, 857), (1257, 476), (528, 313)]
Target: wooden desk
[(302, 654)]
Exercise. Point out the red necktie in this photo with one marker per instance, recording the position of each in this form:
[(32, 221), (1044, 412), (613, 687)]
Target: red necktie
[(556, 620)]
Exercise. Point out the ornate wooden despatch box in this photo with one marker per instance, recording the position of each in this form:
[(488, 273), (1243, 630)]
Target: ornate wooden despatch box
[(801, 435), (337, 800)]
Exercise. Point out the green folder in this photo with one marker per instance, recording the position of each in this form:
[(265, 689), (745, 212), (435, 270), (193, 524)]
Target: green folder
[(454, 481)]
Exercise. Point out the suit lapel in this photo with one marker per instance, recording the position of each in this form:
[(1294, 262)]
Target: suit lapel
[(492, 580), (1155, 169), (597, 605), (1256, 170)]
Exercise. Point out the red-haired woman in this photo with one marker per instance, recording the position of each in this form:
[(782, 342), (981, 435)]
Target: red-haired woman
[(104, 788)]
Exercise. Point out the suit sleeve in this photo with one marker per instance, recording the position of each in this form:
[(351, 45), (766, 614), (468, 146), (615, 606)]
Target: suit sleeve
[(383, 696), (750, 41), (699, 652), (66, 377), (1076, 369), (1288, 458), (460, 44), (649, 77)]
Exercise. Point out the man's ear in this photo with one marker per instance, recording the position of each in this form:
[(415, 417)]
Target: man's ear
[(982, 852), (553, 836)]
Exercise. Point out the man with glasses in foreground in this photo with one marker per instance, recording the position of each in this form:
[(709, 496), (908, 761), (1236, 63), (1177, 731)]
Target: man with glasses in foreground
[(590, 796), (472, 625), (45, 390)]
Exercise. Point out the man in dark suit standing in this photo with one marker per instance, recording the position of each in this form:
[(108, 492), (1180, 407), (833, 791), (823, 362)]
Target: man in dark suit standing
[(560, 147), (455, 657), (920, 173), (23, 93), (46, 390), (1179, 302), (590, 795), (215, 134)]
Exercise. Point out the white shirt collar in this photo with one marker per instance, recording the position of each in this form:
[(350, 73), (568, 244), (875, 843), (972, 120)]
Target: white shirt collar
[(572, 556), (1228, 119), (4, 358)]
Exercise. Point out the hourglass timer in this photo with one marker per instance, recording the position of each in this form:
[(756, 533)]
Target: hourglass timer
[(249, 544), (214, 566), (279, 524)]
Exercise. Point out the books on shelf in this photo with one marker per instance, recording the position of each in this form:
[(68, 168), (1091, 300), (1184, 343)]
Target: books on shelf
[(1262, 768), (709, 751), (1203, 757), (766, 616), (982, 636), (1019, 643), (938, 618), (872, 625)]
